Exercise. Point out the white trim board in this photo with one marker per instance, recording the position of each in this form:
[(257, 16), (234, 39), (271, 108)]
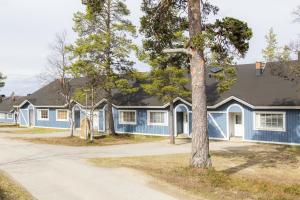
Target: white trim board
[(176, 99), (228, 120)]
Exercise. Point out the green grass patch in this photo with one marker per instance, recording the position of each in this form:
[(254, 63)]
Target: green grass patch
[(10, 190), (98, 141), (211, 184), (37, 131)]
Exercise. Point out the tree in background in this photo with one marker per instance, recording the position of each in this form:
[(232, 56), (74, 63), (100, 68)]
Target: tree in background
[(102, 50), (2, 83), (58, 69), (270, 53), (168, 78), (167, 84), (295, 45), (285, 53), (227, 38)]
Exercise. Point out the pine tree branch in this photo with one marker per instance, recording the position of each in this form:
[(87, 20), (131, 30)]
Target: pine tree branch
[(179, 50)]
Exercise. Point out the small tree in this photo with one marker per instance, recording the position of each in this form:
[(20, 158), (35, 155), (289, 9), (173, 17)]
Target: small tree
[(284, 54), (270, 53), (86, 93), (167, 84), (102, 51), (58, 68)]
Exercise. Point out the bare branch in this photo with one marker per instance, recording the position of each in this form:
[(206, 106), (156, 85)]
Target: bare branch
[(179, 50)]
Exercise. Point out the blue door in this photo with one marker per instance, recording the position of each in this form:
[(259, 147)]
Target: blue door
[(77, 118)]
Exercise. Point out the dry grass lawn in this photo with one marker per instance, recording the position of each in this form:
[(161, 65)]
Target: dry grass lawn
[(8, 125), (253, 172), (99, 141), (9, 190), (36, 131)]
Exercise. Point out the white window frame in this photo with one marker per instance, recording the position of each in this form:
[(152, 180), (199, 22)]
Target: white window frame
[(39, 114), (62, 120), (166, 118), (121, 121), (2, 115), (10, 117), (283, 129)]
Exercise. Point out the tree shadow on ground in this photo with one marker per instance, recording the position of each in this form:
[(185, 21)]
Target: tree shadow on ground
[(262, 156)]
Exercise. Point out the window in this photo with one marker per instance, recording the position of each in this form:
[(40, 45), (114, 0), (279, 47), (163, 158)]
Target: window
[(9, 116), (127, 117), (238, 119), (62, 115), (2, 116), (43, 114), (159, 118), (270, 121)]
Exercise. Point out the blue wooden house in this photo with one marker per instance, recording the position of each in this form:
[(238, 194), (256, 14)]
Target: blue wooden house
[(262, 106), (8, 113)]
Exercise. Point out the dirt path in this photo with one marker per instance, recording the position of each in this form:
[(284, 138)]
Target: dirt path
[(58, 172)]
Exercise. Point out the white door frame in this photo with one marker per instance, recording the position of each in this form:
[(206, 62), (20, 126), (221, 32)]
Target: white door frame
[(229, 120), (175, 119)]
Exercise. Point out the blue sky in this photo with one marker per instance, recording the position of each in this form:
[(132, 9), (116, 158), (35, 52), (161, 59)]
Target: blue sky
[(28, 27)]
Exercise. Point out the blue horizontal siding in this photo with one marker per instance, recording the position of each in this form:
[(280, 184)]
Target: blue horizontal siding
[(291, 135), (52, 122), (141, 126)]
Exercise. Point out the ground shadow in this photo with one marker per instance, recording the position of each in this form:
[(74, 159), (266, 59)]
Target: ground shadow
[(262, 156)]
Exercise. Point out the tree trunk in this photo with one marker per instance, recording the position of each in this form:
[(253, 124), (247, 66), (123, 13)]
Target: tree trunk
[(71, 121), (200, 142), (171, 123), (92, 124), (111, 128)]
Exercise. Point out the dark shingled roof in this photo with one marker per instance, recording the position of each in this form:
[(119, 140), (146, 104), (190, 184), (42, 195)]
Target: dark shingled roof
[(50, 95), (8, 103), (269, 89)]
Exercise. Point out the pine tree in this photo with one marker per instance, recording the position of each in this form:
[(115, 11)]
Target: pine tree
[(167, 84), (168, 78), (102, 51), (2, 83), (271, 51), (227, 38)]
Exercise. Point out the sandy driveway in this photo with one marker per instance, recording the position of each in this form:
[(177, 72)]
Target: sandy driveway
[(61, 173)]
